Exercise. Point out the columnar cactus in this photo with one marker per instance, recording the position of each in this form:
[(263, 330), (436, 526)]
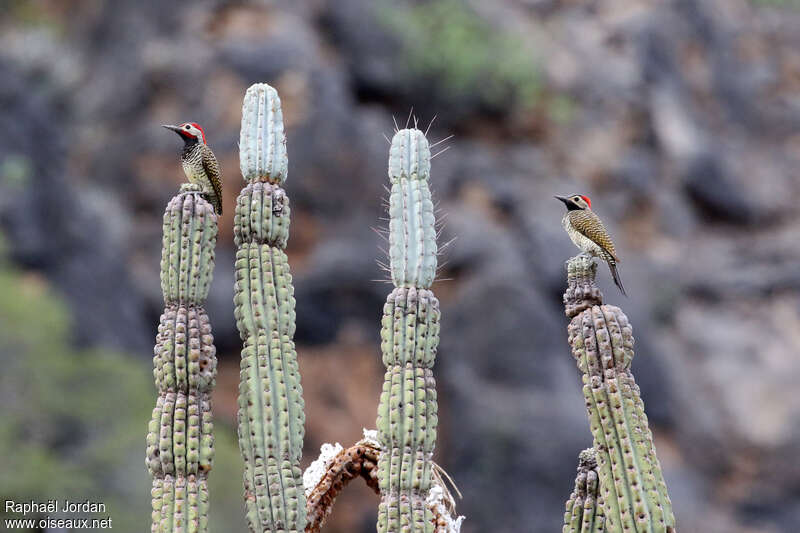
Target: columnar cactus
[(631, 484), (271, 417), (407, 414), (584, 513), (180, 442)]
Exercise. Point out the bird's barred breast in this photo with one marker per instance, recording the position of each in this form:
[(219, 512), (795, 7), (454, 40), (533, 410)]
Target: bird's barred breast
[(580, 240), (196, 174)]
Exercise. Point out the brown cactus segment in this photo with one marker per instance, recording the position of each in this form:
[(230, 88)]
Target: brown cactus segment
[(361, 460), (357, 461)]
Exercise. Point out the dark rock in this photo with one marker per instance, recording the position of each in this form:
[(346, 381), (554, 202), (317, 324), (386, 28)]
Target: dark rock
[(715, 193), (345, 285), (52, 226)]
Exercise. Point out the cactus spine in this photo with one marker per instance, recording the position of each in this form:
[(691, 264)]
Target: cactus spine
[(632, 486), (584, 513), (407, 414), (180, 442), (271, 417)]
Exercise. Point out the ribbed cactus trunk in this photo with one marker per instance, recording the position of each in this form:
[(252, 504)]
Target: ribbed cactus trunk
[(584, 513), (180, 442), (271, 417), (632, 487), (407, 414)]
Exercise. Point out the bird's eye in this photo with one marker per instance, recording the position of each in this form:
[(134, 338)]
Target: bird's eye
[(186, 126)]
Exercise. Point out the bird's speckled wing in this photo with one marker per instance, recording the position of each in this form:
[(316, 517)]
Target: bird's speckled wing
[(212, 170), (589, 224)]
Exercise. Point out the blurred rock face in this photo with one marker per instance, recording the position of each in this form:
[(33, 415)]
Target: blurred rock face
[(680, 121)]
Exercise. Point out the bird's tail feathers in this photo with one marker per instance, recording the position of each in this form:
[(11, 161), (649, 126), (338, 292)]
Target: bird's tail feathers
[(215, 201), (617, 280)]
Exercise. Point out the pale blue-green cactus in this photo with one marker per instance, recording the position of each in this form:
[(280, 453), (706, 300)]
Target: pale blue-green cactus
[(262, 142), (632, 486), (407, 414), (180, 440), (412, 232), (271, 416)]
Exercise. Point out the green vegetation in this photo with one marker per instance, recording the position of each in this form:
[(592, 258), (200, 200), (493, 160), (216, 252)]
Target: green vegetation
[(793, 4), (448, 42), (71, 423), (15, 171)]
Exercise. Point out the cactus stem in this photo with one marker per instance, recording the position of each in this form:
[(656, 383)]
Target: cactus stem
[(180, 440), (271, 417), (407, 413), (631, 483)]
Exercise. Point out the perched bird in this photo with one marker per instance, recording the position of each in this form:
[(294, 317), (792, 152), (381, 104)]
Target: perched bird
[(588, 233), (199, 162)]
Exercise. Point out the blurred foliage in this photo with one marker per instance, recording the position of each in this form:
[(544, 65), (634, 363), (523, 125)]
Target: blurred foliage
[(560, 108), (779, 3), (38, 13), (73, 422), (448, 43), (15, 171)]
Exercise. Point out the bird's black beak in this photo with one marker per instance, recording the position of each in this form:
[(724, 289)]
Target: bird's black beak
[(176, 129), (562, 198)]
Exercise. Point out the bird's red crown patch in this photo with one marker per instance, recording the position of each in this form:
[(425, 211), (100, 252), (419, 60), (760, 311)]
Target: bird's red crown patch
[(585, 198), (196, 125)]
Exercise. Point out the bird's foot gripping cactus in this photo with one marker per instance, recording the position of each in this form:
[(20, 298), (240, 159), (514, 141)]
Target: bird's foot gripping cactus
[(584, 513), (631, 483), (180, 442), (271, 417), (190, 187), (407, 414)]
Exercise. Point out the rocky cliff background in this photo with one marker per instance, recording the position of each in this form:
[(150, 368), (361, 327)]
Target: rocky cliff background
[(681, 120)]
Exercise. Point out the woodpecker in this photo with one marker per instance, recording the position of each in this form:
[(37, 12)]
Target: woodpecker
[(587, 232), (199, 163)]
